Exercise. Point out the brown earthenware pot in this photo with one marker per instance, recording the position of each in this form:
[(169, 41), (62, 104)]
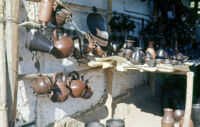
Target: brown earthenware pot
[(64, 46), (88, 93), (77, 88), (168, 119), (181, 122), (151, 50), (42, 85), (60, 92), (46, 8), (178, 114)]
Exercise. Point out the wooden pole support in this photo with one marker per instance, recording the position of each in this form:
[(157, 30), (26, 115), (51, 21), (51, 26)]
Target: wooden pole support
[(3, 87), (11, 32), (189, 94)]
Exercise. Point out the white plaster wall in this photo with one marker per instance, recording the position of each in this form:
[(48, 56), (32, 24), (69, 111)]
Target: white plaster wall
[(41, 109)]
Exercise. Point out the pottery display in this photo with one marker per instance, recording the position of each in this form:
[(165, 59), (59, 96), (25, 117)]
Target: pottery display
[(63, 47), (42, 85), (178, 114), (168, 119), (115, 123), (46, 8), (181, 122), (196, 114)]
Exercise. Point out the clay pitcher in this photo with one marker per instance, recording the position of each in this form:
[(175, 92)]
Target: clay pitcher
[(46, 8), (168, 119), (61, 92), (63, 47), (137, 56), (76, 86), (178, 114), (42, 85), (151, 50), (181, 122)]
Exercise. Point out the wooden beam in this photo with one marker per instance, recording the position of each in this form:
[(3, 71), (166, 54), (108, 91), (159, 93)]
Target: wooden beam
[(35, 76), (189, 94), (3, 87), (109, 4), (12, 17)]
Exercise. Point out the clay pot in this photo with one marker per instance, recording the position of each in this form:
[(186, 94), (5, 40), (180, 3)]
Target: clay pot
[(178, 114), (168, 119), (128, 53), (60, 15), (161, 54), (42, 85), (151, 50), (196, 114), (77, 88), (64, 46), (181, 122), (94, 124), (137, 56), (98, 51), (46, 8), (88, 93), (115, 123), (60, 91)]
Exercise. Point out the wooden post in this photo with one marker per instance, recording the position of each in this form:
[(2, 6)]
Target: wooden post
[(3, 88), (189, 94), (109, 78), (12, 16)]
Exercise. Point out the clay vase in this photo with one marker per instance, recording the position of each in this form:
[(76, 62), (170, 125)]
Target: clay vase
[(46, 8), (151, 50), (181, 122), (137, 56), (60, 92), (168, 119), (42, 85), (63, 47), (178, 114)]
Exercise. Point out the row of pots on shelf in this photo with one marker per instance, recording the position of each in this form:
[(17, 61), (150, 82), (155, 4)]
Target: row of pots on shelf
[(61, 86), (171, 117), (109, 123), (150, 57)]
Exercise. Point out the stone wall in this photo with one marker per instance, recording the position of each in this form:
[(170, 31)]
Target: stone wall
[(39, 111)]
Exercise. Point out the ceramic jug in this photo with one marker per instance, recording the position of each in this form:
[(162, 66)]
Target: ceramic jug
[(63, 47), (46, 8), (60, 91), (76, 86), (42, 85), (181, 122), (151, 50), (137, 56), (168, 119)]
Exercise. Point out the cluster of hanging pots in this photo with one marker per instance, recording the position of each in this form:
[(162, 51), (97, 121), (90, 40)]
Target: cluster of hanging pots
[(61, 86)]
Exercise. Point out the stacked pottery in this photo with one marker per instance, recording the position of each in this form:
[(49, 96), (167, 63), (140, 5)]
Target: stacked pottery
[(168, 119)]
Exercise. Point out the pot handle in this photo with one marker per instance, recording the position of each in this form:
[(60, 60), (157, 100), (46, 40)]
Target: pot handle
[(57, 73), (74, 75), (55, 36)]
